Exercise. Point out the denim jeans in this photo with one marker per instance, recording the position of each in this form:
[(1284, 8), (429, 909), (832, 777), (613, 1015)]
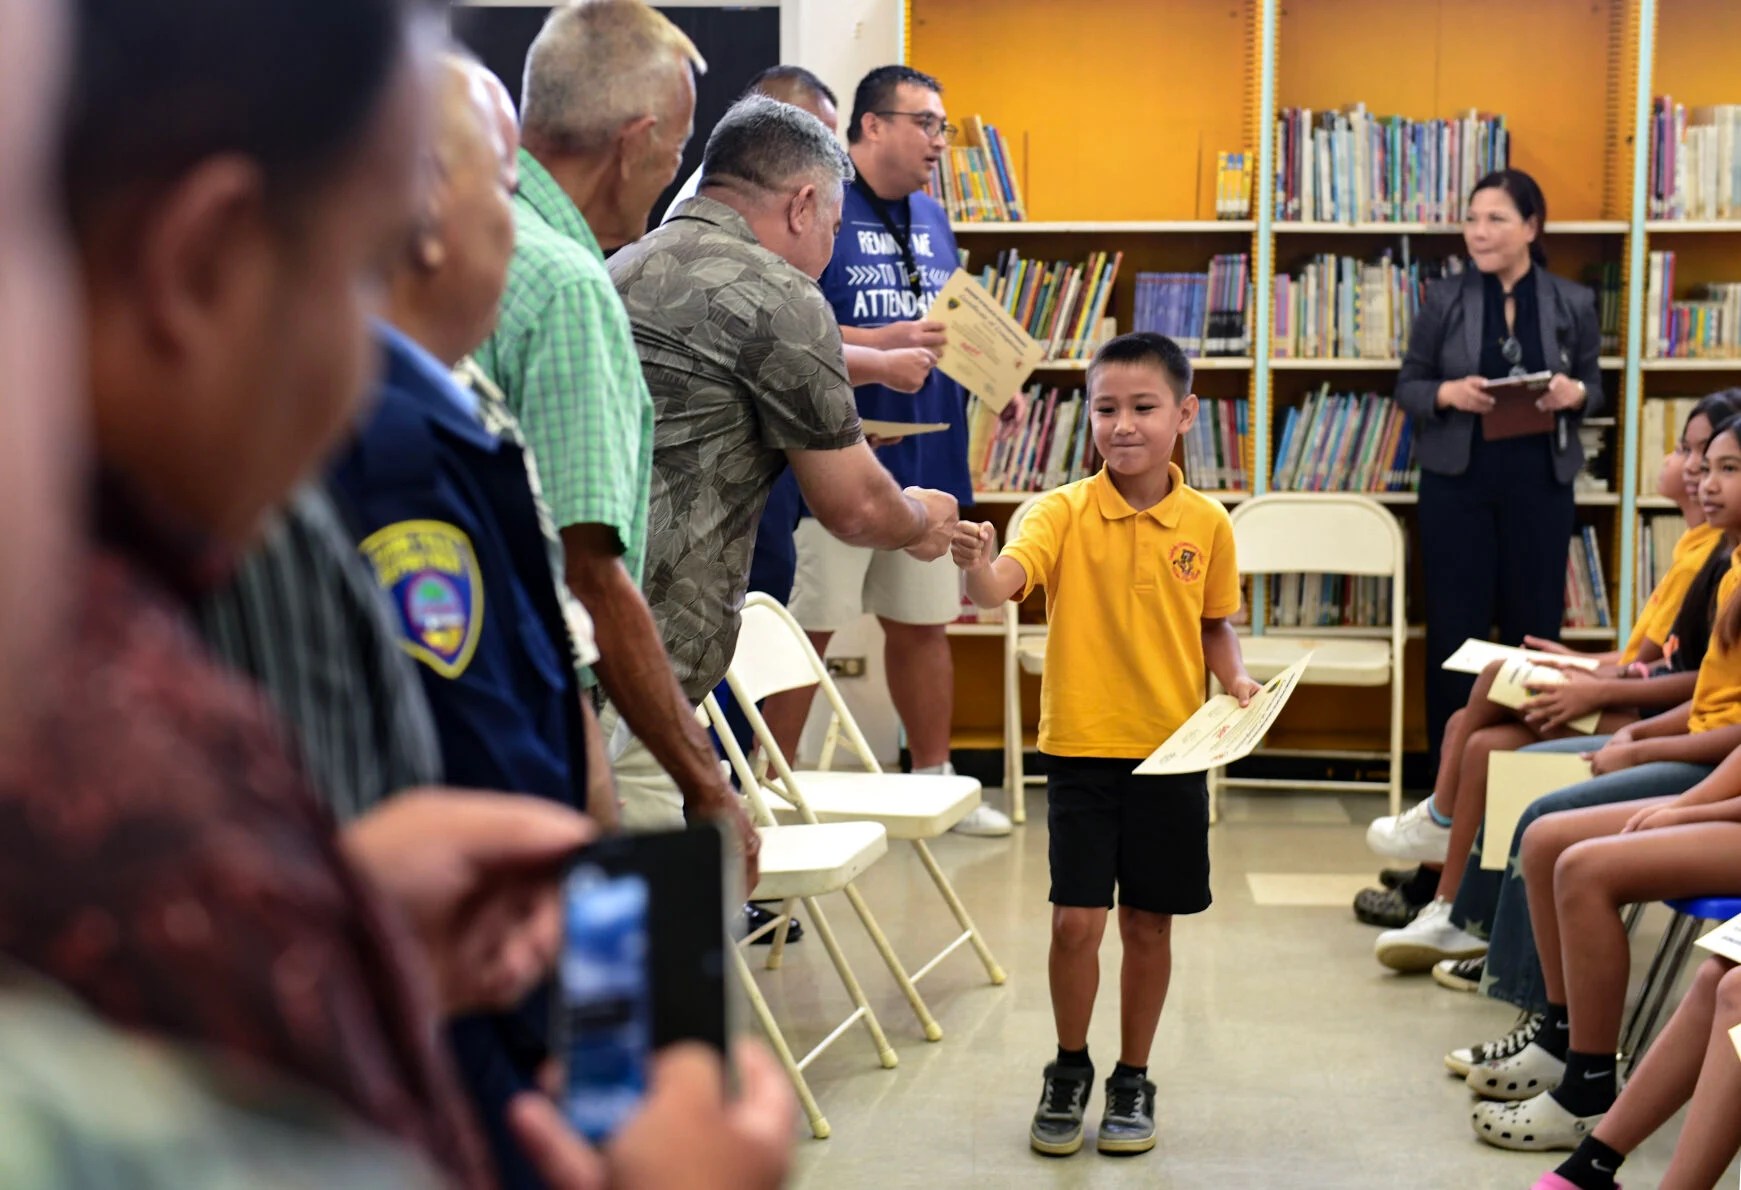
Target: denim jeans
[(1495, 905)]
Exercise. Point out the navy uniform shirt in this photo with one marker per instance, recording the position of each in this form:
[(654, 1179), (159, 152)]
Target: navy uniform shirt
[(444, 512)]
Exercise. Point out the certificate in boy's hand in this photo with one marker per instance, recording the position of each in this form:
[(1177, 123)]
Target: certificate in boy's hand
[(1222, 731), (986, 351)]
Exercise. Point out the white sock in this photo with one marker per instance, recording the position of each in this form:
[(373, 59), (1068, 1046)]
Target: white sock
[(936, 770)]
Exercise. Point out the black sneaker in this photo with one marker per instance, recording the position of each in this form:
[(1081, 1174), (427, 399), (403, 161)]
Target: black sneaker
[(1057, 1129), (1528, 1024), (1398, 877), (1128, 1125), (1385, 907), (1460, 975), (755, 917)]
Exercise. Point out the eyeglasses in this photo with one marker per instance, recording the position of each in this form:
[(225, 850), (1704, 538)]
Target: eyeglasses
[(930, 123), (1512, 351)]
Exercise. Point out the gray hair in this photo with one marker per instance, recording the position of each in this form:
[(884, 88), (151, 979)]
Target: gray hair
[(598, 64), (772, 146)]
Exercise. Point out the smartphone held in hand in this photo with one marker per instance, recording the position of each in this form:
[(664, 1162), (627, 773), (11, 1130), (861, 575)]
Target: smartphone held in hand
[(643, 966)]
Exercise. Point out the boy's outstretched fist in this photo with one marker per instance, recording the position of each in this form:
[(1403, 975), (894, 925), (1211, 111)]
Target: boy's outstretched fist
[(974, 546)]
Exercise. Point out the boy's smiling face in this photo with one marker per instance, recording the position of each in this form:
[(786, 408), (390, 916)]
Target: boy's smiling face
[(1137, 418)]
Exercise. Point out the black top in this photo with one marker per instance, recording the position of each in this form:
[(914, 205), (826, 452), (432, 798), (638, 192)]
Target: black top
[(1691, 634), (1526, 320)]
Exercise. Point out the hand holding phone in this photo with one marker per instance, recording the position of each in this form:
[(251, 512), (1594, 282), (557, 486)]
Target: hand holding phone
[(642, 966)]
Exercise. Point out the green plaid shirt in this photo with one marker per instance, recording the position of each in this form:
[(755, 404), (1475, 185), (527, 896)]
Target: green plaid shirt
[(565, 358)]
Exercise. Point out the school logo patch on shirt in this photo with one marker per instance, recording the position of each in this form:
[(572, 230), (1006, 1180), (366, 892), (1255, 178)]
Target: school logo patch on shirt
[(1187, 562), (430, 571)]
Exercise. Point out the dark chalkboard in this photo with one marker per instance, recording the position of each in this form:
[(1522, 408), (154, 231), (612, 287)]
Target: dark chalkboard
[(738, 43)]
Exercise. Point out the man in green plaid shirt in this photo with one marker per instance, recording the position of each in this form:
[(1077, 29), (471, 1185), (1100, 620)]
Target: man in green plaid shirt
[(609, 105)]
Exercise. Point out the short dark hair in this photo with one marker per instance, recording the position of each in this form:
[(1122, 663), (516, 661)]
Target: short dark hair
[(1146, 347), (160, 85), (793, 77), (876, 91), (767, 143), (1530, 202)]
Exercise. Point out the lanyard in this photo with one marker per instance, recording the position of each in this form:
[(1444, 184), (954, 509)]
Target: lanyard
[(903, 236)]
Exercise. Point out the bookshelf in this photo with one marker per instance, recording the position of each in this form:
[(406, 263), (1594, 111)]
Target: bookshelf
[(1573, 121)]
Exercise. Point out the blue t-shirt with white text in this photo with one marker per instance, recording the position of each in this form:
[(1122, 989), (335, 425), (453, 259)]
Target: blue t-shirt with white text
[(866, 285)]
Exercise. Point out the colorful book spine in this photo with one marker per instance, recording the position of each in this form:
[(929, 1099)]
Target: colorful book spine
[(1345, 443)]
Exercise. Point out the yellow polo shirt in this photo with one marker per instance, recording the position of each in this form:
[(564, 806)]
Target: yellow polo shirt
[(1656, 619), (1126, 595), (1717, 693)]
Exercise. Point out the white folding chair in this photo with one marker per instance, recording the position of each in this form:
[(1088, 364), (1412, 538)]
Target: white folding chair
[(774, 655), (800, 863), (1325, 533), (1024, 651)]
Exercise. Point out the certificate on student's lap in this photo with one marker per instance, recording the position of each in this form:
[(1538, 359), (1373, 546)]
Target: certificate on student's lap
[(1473, 656), (986, 351), (1222, 731), (1518, 679), (1514, 780), (1725, 940)]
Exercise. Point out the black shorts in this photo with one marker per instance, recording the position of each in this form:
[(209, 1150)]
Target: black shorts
[(1149, 835)]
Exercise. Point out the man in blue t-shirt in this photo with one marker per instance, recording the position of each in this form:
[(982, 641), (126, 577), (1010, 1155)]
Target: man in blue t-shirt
[(893, 252)]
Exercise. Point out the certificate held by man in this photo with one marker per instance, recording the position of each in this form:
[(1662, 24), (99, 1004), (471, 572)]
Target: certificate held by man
[(986, 352)]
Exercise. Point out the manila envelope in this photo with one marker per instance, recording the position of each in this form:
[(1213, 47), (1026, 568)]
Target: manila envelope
[(1514, 780)]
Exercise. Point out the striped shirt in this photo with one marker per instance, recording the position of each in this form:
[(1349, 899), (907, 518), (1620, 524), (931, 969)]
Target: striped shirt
[(564, 356), (304, 617)]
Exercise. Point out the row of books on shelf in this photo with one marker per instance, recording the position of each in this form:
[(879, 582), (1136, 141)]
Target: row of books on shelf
[(1349, 166), (1052, 444), (1655, 547), (1340, 307), (1215, 445), (1660, 421), (1059, 303), (1345, 442), (976, 180), (1363, 601), (1233, 176), (1206, 314), (1705, 326), (1586, 584), (1329, 600), (1695, 161)]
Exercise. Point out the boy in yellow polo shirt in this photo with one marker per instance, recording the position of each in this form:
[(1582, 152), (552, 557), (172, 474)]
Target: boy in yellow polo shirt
[(1140, 581)]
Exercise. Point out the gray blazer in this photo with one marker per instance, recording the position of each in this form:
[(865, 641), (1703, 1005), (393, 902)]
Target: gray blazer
[(1446, 345)]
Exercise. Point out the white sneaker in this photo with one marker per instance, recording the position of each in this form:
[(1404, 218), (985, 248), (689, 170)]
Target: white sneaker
[(1411, 835), (1531, 1071), (985, 823), (1534, 1125), (1426, 940)]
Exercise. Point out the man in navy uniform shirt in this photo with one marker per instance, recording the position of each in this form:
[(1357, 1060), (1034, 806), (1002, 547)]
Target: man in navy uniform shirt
[(445, 512)]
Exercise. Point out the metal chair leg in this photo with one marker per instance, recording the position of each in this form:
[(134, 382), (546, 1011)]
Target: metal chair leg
[(1684, 930)]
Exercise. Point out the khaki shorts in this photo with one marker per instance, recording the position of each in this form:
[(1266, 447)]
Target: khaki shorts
[(649, 798), (837, 583)]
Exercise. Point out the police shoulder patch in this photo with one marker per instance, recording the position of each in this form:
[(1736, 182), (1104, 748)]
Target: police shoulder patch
[(430, 571)]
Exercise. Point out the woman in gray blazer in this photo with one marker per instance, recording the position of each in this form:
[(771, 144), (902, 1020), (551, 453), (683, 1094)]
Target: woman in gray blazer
[(1496, 509)]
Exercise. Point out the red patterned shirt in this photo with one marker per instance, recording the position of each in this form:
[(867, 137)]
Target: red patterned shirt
[(164, 857)]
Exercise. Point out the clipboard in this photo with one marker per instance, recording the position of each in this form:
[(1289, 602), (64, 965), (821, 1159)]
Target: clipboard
[(1514, 413)]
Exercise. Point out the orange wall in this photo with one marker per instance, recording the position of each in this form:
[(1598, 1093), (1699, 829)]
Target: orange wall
[(1122, 104), (1543, 63), (1698, 51)]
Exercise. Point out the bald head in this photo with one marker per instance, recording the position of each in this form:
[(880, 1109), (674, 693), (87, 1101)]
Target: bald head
[(446, 293), (470, 132)]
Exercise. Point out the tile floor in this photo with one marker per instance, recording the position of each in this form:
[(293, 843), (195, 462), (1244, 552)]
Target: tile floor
[(1286, 1058)]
